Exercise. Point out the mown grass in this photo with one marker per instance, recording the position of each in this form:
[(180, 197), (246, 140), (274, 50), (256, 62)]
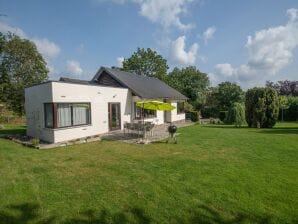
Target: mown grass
[(215, 174)]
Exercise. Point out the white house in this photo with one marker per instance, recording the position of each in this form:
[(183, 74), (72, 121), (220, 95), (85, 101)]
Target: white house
[(67, 109)]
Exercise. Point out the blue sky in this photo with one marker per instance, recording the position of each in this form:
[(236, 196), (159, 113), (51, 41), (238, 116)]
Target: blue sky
[(77, 37)]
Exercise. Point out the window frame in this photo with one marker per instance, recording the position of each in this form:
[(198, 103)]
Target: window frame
[(141, 111), (55, 115), (182, 111)]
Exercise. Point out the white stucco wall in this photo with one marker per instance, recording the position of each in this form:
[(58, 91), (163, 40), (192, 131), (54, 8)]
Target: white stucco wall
[(35, 97), (174, 115), (97, 96)]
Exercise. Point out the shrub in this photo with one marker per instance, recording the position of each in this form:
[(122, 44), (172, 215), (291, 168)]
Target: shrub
[(193, 116), (35, 141), (261, 107), (236, 115), (289, 112), (223, 115)]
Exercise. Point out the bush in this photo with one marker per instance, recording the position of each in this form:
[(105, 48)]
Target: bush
[(35, 141), (290, 111), (261, 107), (208, 112), (236, 115), (223, 115), (193, 116)]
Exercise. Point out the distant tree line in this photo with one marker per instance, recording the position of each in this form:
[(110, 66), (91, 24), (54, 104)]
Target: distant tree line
[(258, 107)]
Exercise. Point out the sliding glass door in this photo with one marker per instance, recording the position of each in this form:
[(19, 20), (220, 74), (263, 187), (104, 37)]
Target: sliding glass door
[(114, 116)]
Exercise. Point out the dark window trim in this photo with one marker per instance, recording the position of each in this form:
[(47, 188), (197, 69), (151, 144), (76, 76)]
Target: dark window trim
[(55, 115), (182, 111)]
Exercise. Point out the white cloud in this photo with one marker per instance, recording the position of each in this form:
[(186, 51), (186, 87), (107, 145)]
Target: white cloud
[(120, 62), (209, 33), (165, 12), (179, 53), (4, 28), (269, 51), (225, 69), (47, 48), (293, 14), (74, 67)]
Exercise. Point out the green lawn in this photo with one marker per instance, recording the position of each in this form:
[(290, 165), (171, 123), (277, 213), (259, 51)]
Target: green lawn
[(215, 174)]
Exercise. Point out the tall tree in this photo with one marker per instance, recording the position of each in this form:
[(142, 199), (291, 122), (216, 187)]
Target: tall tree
[(21, 66), (146, 62), (191, 82), (261, 107), (227, 94)]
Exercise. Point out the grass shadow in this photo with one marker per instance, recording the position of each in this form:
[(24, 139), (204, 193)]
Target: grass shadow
[(30, 213), (13, 130), (288, 130)]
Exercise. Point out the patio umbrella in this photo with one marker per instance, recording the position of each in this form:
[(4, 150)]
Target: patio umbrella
[(153, 105)]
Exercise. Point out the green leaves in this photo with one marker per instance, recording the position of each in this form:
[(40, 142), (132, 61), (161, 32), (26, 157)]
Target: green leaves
[(21, 66), (191, 82), (146, 62), (261, 107)]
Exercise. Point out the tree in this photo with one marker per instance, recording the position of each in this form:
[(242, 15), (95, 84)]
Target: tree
[(261, 107), (21, 66), (236, 115), (190, 82), (219, 99), (284, 88), (146, 62), (227, 94)]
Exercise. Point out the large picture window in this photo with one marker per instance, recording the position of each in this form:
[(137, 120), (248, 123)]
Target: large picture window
[(180, 107), (146, 114), (59, 115)]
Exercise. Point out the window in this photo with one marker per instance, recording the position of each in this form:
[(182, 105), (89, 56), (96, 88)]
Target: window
[(180, 107), (48, 112), (147, 113), (59, 115)]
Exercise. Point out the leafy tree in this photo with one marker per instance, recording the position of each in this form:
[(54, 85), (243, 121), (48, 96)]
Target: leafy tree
[(236, 115), (21, 66), (284, 88), (261, 107), (146, 62), (219, 99), (227, 94), (191, 82)]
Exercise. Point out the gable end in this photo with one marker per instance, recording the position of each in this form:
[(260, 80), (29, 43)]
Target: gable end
[(107, 80)]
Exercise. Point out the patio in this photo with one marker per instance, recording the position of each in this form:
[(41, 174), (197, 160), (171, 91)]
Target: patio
[(158, 133)]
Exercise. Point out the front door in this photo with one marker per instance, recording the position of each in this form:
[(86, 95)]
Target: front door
[(114, 116)]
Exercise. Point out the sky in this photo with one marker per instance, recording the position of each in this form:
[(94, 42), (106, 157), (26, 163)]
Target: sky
[(246, 42)]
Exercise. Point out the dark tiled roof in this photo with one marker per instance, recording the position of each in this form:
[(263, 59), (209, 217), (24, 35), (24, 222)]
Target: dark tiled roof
[(75, 81), (143, 86)]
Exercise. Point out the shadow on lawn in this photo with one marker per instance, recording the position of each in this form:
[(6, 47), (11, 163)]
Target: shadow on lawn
[(30, 213), (19, 130), (280, 130)]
